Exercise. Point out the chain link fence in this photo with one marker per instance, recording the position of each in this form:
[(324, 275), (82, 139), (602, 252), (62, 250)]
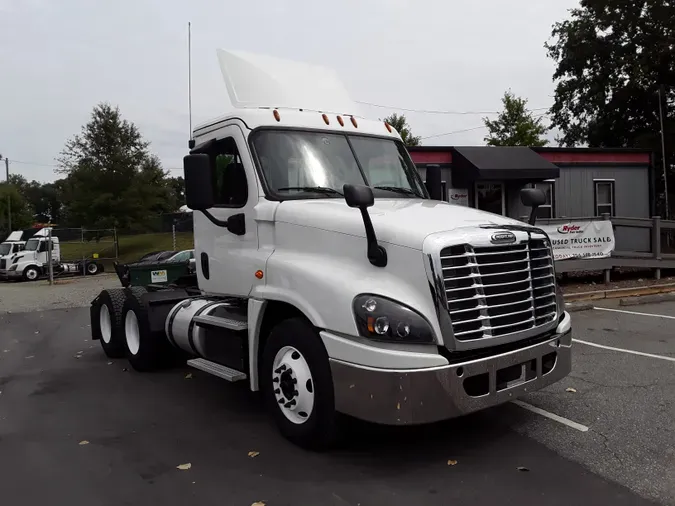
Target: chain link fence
[(80, 244)]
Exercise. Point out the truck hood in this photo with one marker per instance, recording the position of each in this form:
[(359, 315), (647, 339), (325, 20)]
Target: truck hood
[(403, 222)]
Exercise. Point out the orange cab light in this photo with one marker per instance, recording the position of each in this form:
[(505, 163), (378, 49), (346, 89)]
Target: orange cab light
[(259, 274), (354, 122), (325, 119), (342, 123), (370, 323), (388, 127), (277, 116)]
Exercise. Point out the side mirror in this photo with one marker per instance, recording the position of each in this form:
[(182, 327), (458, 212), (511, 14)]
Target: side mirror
[(359, 196), (433, 183), (198, 182), (532, 197)]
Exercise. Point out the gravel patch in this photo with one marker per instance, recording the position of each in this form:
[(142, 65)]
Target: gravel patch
[(22, 297)]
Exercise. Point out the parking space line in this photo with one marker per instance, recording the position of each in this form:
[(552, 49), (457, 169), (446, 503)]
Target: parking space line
[(623, 350), (633, 313), (552, 416)]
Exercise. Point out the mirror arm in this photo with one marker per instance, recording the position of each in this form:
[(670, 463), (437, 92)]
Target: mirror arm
[(234, 223), (377, 255), (533, 215)]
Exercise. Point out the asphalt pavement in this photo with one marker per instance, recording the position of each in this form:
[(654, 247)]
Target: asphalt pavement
[(79, 429)]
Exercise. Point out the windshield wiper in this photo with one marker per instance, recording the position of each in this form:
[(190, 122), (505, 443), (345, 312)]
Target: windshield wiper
[(397, 189), (316, 189)]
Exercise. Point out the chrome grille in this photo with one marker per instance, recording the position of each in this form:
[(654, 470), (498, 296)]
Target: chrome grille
[(3, 265), (498, 290)]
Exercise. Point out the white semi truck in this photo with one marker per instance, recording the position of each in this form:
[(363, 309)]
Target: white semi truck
[(32, 261), (14, 243), (333, 279)]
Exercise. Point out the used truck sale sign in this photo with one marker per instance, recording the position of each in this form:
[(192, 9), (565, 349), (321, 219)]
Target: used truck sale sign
[(581, 239)]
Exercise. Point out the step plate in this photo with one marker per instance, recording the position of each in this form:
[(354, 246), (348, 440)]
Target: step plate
[(217, 321), (221, 371)]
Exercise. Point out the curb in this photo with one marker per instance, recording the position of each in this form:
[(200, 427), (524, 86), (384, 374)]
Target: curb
[(575, 307), (647, 299), (622, 293)]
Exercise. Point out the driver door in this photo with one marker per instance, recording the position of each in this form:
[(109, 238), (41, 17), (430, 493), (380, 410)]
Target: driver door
[(226, 263)]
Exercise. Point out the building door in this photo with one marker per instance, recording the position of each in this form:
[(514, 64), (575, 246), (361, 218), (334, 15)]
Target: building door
[(490, 197)]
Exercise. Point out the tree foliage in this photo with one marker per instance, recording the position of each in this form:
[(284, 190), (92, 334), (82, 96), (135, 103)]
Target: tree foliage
[(400, 123), (112, 180), (611, 57), (22, 214), (515, 125), (44, 200)]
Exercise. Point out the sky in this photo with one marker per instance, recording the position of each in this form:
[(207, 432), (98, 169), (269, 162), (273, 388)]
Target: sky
[(59, 58)]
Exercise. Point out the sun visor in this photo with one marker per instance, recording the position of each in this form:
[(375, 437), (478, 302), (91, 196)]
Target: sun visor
[(15, 236), (255, 81)]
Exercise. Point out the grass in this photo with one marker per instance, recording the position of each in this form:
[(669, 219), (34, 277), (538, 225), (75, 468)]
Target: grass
[(131, 247)]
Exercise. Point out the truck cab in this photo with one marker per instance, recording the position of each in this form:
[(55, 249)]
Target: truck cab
[(331, 280), (10, 247), (31, 262)]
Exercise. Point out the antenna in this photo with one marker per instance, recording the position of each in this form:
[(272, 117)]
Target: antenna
[(191, 143)]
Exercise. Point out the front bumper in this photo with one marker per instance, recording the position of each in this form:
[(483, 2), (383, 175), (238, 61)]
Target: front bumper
[(399, 397), (5, 274)]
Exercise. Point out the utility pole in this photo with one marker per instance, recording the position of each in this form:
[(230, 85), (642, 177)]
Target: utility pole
[(9, 198), (662, 99)]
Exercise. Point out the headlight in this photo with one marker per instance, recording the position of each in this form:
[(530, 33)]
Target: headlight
[(382, 319)]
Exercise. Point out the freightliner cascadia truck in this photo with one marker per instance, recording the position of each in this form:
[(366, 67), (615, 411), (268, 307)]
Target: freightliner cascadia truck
[(332, 278)]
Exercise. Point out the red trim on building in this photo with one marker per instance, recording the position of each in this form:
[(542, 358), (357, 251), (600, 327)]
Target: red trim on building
[(589, 157), (431, 156)]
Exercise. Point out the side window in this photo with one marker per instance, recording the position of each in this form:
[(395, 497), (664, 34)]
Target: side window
[(604, 197), (43, 247), (547, 210), (229, 177)]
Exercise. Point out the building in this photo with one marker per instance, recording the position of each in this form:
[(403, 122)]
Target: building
[(578, 182)]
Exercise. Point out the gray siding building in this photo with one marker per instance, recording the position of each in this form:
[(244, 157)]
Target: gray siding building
[(578, 182)]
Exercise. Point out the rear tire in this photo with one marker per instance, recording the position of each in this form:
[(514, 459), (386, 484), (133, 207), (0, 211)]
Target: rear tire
[(295, 367), (107, 324), (145, 350), (92, 268)]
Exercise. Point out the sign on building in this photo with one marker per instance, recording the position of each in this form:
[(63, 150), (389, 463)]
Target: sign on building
[(581, 239), (458, 196)]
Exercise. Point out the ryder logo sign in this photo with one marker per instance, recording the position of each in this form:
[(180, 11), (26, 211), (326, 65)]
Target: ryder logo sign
[(581, 239), (569, 229)]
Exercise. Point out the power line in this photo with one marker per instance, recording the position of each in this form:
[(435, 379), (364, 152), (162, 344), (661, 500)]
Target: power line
[(434, 111), (22, 162), (473, 128)]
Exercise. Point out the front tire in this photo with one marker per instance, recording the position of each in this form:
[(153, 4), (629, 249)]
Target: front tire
[(298, 386), (145, 350), (108, 327), (31, 273)]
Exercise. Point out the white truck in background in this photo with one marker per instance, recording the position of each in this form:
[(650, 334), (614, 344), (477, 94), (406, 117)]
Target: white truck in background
[(14, 243), (32, 261), (333, 279)]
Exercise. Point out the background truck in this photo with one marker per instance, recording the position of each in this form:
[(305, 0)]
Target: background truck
[(331, 278), (13, 244), (32, 261)]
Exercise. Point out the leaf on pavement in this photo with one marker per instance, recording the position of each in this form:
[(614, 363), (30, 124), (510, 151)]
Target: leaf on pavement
[(572, 390), (84, 442), (258, 503), (253, 454), (110, 363), (524, 469), (188, 376), (452, 462), (184, 467)]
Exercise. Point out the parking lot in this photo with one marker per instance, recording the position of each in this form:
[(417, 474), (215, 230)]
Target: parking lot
[(76, 428)]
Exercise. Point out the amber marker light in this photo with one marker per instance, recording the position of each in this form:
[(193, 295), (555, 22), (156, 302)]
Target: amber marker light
[(259, 274)]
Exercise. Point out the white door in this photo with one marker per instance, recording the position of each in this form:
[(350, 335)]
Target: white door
[(226, 263)]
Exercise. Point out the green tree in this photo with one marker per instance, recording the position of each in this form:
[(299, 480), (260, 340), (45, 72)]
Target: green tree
[(112, 180), (43, 199), (22, 214), (611, 56), (400, 123), (515, 125)]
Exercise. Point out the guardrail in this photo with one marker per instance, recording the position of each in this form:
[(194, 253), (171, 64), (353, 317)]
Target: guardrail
[(661, 254)]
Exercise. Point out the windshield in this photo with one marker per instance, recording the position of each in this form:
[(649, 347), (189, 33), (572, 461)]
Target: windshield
[(320, 163), (5, 249), (32, 244)]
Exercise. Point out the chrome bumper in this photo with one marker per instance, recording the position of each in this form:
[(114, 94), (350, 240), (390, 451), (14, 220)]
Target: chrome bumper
[(399, 397)]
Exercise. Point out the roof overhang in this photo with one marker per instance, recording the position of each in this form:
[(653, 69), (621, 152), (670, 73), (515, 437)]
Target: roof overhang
[(501, 163)]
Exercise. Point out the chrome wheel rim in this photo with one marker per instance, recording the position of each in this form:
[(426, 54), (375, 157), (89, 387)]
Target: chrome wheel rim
[(293, 385)]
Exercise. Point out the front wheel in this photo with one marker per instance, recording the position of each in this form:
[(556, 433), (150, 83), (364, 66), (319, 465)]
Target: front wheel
[(298, 386), (31, 273)]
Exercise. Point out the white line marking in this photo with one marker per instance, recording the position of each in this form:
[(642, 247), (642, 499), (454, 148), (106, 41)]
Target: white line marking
[(633, 312), (552, 416), (633, 352)]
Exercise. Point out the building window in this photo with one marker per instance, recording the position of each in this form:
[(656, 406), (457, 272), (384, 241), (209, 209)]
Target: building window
[(547, 210), (604, 197)]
